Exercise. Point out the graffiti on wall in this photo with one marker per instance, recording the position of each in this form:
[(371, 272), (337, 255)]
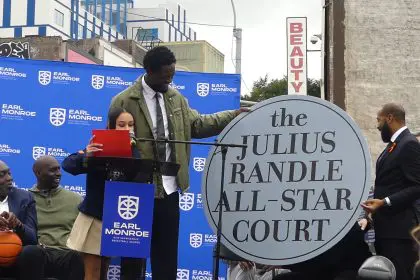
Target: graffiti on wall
[(14, 49)]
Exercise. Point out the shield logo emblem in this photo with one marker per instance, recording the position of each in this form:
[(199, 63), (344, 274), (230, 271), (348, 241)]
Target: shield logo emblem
[(186, 201), (98, 81), (128, 206), (114, 272), (203, 89), (44, 77), (196, 240), (199, 164), (57, 116), (38, 152), (182, 274)]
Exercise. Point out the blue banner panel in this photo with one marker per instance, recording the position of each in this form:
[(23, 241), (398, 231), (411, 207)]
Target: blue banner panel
[(127, 220), (51, 108)]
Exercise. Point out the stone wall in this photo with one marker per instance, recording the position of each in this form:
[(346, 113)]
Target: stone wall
[(373, 57)]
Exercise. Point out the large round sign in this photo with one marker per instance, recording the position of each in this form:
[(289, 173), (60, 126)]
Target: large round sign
[(295, 191)]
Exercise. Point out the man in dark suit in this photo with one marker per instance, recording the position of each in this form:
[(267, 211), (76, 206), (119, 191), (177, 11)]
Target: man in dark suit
[(18, 214), (397, 187)]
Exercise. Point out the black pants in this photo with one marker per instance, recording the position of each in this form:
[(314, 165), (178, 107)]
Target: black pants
[(133, 269), (165, 230), (36, 262), (401, 252), (7, 272)]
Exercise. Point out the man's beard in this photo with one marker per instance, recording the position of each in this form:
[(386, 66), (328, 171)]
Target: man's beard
[(4, 190), (161, 88), (386, 133)]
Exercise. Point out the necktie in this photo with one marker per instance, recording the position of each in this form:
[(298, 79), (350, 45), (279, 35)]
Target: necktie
[(160, 130)]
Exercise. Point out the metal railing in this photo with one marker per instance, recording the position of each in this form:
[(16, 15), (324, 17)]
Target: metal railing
[(147, 41)]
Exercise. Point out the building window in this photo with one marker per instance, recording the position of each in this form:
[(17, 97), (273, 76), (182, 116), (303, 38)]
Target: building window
[(59, 18), (88, 34), (147, 34), (80, 31), (114, 18)]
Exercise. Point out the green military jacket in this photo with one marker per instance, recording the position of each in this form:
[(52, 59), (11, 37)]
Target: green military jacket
[(184, 123)]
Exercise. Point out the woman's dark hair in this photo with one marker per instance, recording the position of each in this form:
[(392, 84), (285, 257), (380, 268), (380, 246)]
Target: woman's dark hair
[(113, 115)]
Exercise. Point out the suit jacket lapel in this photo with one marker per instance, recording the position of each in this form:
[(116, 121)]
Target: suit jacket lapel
[(143, 107), (11, 201), (385, 154), (169, 107), (382, 157), (137, 93)]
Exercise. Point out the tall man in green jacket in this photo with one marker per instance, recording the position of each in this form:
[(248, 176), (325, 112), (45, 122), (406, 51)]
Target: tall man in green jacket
[(159, 112), (56, 210)]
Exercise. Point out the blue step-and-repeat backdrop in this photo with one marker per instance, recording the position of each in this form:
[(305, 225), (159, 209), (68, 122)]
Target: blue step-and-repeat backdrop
[(50, 108)]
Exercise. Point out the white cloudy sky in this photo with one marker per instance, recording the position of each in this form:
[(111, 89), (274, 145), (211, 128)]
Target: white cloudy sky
[(264, 32)]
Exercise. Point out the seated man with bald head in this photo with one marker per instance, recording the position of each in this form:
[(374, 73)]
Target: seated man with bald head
[(56, 210)]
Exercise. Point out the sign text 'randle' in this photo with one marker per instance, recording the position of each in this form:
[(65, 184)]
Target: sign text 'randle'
[(295, 190)]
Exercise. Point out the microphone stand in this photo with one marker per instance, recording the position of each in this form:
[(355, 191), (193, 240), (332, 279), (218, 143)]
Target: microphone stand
[(216, 144), (224, 150)]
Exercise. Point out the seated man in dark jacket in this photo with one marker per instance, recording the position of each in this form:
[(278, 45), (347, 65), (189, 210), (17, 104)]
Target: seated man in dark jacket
[(17, 213)]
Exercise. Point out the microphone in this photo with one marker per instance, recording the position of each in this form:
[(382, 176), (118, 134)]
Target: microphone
[(133, 141)]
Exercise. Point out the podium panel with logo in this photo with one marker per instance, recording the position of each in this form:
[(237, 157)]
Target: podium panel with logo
[(127, 222), (50, 108)]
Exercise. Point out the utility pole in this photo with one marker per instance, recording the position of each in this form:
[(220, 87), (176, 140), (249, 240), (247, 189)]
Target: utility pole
[(237, 33)]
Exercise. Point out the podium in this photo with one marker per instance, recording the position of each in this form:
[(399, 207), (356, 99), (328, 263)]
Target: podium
[(131, 170)]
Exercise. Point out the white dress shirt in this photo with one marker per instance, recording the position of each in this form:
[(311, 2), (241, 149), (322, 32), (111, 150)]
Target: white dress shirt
[(397, 133), (4, 205), (393, 138), (169, 182)]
